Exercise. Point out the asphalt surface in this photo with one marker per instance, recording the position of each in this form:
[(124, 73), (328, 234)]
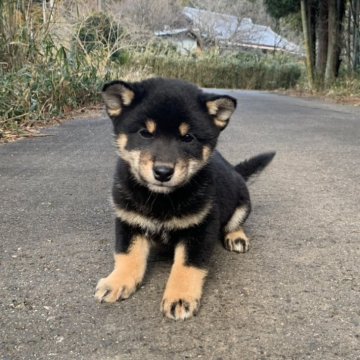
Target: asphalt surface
[(295, 295)]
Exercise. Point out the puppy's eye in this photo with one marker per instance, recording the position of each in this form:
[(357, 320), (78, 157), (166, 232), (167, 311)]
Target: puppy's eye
[(146, 134), (187, 138)]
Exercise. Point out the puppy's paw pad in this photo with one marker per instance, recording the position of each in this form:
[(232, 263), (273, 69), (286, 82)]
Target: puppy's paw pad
[(180, 309), (239, 244), (110, 290)]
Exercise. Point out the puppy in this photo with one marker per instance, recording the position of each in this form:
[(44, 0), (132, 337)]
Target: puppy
[(172, 188)]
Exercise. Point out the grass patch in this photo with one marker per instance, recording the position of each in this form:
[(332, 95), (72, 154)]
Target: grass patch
[(242, 71), (37, 92)]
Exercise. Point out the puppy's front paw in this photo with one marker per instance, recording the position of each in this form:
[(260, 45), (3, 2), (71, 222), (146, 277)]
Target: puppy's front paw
[(237, 241), (183, 291), (128, 273), (180, 308), (115, 287)]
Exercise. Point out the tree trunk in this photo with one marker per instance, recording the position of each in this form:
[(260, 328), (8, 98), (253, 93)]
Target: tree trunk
[(322, 36), (312, 15), (307, 41), (335, 19), (356, 35), (332, 40), (340, 7)]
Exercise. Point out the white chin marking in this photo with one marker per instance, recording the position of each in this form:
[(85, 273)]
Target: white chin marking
[(160, 189)]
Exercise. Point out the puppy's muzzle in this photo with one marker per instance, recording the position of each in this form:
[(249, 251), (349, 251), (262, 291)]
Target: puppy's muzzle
[(163, 173)]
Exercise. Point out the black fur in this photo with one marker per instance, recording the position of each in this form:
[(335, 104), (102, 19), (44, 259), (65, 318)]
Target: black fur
[(254, 165)]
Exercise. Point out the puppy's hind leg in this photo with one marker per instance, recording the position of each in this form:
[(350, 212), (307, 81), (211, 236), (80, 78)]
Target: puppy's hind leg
[(237, 241), (235, 238)]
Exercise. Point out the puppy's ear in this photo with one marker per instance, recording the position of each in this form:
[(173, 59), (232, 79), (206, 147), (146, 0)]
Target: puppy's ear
[(117, 95), (220, 107)]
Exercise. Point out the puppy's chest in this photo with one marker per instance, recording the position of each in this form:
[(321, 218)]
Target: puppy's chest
[(161, 238), (161, 223)]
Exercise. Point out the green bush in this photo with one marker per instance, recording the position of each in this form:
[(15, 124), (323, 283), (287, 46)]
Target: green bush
[(98, 31)]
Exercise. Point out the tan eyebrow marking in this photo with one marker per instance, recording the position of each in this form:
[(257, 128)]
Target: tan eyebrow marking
[(151, 126), (184, 128)]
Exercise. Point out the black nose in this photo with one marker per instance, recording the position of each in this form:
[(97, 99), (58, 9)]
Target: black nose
[(163, 173)]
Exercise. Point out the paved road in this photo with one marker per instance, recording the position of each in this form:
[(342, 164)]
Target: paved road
[(295, 295)]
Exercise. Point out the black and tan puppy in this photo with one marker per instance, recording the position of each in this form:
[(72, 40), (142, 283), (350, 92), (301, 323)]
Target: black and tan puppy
[(172, 188)]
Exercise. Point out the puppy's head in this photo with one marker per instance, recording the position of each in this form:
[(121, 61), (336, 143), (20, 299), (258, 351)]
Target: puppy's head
[(166, 130)]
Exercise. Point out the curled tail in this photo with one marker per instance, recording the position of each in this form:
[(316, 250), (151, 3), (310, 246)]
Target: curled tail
[(254, 165)]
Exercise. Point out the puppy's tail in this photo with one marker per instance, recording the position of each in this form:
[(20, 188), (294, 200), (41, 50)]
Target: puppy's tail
[(254, 165)]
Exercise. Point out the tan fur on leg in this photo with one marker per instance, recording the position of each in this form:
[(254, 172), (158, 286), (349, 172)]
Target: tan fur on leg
[(128, 273), (183, 291)]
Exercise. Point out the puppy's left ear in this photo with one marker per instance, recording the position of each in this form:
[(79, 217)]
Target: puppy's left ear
[(220, 107), (117, 95)]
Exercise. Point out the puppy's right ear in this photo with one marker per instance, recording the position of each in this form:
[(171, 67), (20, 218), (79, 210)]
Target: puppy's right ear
[(117, 95)]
